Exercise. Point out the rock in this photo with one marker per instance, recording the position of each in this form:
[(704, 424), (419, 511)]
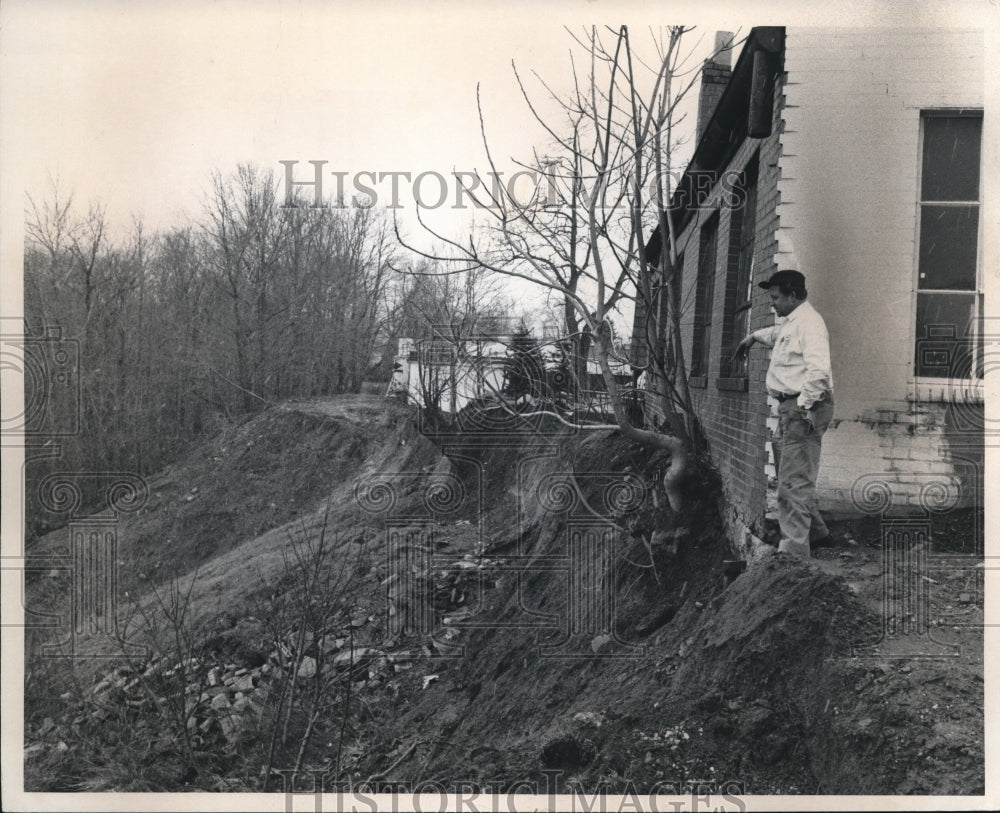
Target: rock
[(965, 598), (357, 656), (602, 643), (220, 702), (665, 540), (307, 668), (594, 718), (215, 676), (245, 683)]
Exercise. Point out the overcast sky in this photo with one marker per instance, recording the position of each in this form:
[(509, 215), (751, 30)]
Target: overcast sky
[(134, 104)]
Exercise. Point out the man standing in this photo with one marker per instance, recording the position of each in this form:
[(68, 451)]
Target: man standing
[(799, 376)]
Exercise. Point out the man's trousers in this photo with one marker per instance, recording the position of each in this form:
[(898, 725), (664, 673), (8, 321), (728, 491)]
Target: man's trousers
[(798, 466)]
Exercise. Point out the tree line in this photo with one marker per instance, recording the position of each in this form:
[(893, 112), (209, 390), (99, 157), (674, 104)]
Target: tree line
[(246, 304)]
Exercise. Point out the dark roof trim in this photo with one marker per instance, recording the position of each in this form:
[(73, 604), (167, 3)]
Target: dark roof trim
[(744, 110)]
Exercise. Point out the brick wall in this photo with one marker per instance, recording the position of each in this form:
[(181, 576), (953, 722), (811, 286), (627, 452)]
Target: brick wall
[(735, 418), (714, 78)]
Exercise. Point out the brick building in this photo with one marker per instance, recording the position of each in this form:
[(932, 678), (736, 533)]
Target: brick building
[(854, 157)]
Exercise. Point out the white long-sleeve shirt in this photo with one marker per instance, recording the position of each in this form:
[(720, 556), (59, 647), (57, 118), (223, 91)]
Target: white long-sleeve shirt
[(800, 359)]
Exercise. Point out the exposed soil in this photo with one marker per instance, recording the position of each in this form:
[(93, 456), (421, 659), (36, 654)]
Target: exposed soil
[(518, 629)]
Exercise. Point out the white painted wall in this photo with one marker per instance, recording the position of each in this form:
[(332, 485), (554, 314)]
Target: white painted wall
[(849, 169), (848, 220)]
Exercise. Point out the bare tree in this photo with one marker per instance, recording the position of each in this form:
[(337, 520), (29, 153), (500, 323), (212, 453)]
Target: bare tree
[(590, 232)]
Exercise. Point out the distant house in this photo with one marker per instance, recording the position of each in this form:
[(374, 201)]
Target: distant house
[(854, 157), (449, 373)]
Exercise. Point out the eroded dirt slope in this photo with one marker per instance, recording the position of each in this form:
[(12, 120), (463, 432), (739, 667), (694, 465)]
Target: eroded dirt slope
[(506, 621)]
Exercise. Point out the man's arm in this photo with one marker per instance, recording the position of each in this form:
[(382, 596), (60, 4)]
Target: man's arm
[(816, 355), (766, 336)]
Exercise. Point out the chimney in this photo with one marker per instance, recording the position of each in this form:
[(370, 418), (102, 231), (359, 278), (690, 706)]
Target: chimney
[(715, 75)]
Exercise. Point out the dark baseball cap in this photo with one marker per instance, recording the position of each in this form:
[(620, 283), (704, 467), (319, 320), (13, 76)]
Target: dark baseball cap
[(791, 279)]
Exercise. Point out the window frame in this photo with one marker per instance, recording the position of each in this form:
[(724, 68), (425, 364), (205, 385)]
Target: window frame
[(739, 278), (924, 387), (704, 298)]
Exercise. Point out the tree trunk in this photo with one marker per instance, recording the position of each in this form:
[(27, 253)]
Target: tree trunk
[(675, 444)]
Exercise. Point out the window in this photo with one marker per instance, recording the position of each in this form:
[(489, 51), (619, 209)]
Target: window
[(673, 317), (949, 297), (704, 294), (739, 277)]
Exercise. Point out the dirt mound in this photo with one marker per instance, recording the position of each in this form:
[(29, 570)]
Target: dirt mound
[(254, 476)]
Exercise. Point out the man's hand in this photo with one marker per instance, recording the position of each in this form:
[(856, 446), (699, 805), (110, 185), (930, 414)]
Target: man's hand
[(743, 347), (810, 418)]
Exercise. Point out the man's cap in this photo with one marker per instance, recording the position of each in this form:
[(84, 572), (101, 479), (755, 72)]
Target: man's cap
[(792, 279)]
